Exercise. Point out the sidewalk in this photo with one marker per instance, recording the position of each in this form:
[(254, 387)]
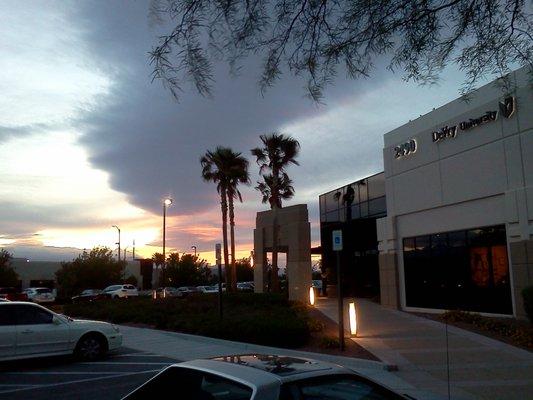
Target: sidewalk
[(480, 367), (183, 347)]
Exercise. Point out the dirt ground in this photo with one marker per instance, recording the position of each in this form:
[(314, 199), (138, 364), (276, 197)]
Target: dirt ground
[(331, 330)]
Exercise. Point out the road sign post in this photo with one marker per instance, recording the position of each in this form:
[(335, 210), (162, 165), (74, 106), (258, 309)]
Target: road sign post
[(219, 265), (337, 248)]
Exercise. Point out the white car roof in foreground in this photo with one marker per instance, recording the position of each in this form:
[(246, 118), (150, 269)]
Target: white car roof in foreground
[(250, 369)]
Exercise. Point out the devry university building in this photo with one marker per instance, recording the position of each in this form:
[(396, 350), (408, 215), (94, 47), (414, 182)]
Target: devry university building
[(457, 232)]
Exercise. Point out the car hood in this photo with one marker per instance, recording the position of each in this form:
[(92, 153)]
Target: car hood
[(87, 322)]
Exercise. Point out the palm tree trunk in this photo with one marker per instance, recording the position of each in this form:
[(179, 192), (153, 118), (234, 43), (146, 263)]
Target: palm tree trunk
[(232, 243), (224, 206), (274, 277)]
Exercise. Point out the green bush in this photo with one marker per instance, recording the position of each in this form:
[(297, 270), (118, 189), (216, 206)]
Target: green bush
[(527, 295), (264, 319), (329, 342), (506, 328)]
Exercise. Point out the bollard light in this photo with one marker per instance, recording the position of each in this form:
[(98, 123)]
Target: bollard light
[(154, 295), (312, 296), (353, 319)]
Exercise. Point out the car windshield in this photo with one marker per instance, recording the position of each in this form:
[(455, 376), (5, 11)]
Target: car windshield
[(42, 291), (192, 384), (343, 387), (111, 288)]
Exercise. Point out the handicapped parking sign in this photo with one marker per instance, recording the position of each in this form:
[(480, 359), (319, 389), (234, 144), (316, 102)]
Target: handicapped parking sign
[(337, 240)]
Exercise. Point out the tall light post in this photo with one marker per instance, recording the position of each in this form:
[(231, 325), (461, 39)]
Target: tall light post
[(166, 203), (194, 247), (118, 229)]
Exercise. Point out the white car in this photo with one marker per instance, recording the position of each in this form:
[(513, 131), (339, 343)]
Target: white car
[(121, 291), (40, 295), (261, 377), (206, 289), (29, 330)]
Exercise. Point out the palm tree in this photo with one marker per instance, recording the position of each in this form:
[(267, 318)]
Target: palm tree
[(227, 169), (239, 174), (276, 154)]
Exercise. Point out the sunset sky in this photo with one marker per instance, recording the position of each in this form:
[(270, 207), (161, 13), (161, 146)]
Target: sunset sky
[(87, 141)]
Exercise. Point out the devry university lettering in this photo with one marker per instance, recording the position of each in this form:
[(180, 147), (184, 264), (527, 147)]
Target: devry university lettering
[(507, 107)]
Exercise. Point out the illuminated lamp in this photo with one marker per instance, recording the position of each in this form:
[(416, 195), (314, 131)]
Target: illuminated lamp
[(154, 294), (353, 319), (312, 296)]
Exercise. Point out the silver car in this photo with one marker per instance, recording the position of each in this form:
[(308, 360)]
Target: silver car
[(261, 377), (40, 295)]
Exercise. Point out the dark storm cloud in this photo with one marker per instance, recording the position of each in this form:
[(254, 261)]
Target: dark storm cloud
[(151, 145)]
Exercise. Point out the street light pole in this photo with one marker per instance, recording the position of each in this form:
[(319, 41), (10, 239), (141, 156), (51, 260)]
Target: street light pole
[(166, 203), (118, 229), (194, 247)]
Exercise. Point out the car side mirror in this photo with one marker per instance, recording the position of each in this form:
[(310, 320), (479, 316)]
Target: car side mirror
[(56, 320)]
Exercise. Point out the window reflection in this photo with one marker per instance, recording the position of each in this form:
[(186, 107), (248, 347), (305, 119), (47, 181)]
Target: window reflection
[(465, 270), (361, 199)]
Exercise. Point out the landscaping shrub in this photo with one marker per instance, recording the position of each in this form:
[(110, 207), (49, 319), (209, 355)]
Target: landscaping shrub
[(329, 342), (506, 328), (527, 295), (264, 319)]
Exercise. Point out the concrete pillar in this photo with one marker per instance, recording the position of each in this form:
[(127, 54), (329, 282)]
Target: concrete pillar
[(522, 270), (294, 238)]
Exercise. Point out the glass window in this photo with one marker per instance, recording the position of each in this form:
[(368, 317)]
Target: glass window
[(7, 314), (466, 270), (377, 206), (364, 209), (333, 199), (408, 245), (322, 203), (343, 388), (457, 239), (376, 186), (33, 315), (363, 190), (355, 211), (191, 384), (422, 243)]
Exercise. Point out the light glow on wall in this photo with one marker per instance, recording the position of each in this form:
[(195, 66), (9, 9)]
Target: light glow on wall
[(312, 296), (353, 319)]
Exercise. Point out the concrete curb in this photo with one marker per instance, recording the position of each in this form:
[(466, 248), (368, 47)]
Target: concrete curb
[(240, 346)]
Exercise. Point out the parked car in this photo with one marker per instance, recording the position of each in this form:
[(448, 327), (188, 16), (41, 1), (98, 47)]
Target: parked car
[(244, 287), (168, 291), (211, 289), (184, 291), (120, 291), (29, 330), (202, 289), (88, 295), (40, 295), (262, 377), (11, 293)]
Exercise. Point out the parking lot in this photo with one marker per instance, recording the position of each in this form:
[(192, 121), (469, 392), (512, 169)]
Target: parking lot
[(65, 378)]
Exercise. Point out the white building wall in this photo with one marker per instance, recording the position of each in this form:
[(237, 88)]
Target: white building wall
[(482, 177)]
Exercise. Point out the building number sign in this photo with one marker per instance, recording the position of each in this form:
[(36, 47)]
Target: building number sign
[(405, 149)]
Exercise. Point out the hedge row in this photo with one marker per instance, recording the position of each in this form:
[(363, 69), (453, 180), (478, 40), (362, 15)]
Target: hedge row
[(255, 318), (507, 328)]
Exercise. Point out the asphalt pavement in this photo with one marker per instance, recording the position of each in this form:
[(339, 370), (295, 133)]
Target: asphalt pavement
[(65, 378)]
